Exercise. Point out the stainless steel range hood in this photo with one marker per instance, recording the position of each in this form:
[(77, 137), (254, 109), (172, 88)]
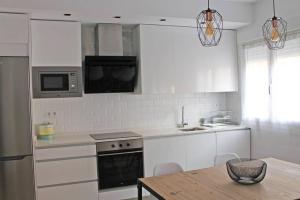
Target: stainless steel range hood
[(110, 40)]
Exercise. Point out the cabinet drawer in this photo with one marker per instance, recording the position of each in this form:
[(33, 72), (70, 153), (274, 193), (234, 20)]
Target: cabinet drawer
[(66, 171), (65, 152), (82, 191)]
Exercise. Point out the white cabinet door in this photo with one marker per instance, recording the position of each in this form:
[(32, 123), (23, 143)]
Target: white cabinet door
[(192, 62), (157, 59), (163, 150), (56, 43), (14, 34), (224, 64), (173, 60), (80, 191), (200, 151), (203, 69), (237, 141)]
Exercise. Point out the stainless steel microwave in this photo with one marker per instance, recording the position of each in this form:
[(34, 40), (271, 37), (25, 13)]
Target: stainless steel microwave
[(55, 82)]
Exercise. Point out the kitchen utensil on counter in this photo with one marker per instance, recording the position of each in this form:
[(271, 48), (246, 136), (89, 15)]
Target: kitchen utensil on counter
[(221, 116), (46, 130)]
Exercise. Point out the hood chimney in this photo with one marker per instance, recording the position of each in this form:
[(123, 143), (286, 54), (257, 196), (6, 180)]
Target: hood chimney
[(110, 40)]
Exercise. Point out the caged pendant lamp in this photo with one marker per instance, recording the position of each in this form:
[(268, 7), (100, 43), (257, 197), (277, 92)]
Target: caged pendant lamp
[(275, 31), (209, 27)]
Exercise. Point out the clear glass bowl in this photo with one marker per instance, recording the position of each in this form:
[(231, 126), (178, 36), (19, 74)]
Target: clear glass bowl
[(246, 171)]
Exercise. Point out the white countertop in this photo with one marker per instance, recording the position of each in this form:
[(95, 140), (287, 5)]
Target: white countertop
[(83, 138), (168, 132), (65, 140)]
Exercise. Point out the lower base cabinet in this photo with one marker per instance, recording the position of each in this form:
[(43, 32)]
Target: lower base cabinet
[(237, 141), (200, 151), (162, 150), (66, 173), (80, 191), (195, 151)]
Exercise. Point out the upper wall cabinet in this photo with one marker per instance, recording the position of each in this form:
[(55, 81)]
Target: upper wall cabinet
[(56, 43), (173, 61), (14, 34)]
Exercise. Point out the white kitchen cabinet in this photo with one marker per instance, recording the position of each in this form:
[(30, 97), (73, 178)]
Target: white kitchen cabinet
[(203, 69), (56, 43), (223, 59), (82, 191), (200, 151), (65, 152), (173, 60), (157, 59), (237, 141), (14, 34), (66, 173), (164, 150), (195, 151)]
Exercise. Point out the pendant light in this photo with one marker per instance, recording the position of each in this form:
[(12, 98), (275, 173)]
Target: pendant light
[(275, 31), (209, 27)]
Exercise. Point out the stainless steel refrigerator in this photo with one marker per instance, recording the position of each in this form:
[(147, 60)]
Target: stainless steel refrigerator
[(16, 162)]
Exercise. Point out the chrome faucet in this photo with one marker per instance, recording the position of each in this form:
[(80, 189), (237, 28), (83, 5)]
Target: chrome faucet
[(183, 123)]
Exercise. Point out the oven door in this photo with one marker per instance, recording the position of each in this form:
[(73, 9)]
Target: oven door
[(120, 169)]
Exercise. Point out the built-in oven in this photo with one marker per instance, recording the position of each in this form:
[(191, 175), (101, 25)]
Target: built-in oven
[(53, 82), (120, 163)]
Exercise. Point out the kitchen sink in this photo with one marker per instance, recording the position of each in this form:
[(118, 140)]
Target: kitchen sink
[(193, 129)]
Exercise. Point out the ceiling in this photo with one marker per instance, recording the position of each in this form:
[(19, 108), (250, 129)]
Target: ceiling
[(177, 12)]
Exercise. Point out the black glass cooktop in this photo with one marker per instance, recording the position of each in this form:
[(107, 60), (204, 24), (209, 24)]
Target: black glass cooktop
[(116, 135)]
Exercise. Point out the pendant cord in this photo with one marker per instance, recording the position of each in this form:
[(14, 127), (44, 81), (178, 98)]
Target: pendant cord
[(274, 8), (208, 3)]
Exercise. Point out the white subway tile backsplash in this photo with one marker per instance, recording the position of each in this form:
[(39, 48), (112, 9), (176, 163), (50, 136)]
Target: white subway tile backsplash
[(116, 111)]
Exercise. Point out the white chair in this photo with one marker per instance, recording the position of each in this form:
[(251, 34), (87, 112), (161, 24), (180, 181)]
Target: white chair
[(221, 159), (166, 168)]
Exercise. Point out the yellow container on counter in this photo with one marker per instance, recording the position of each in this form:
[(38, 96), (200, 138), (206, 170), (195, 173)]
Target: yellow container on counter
[(45, 131)]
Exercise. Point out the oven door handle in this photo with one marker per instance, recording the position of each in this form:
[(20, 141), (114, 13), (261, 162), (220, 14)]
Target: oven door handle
[(113, 154)]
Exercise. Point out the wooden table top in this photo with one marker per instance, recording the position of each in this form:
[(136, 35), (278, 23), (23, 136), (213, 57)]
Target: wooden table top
[(282, 182)]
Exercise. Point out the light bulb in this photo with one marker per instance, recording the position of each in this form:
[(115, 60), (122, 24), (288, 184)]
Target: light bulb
[(274, 35), (209, 29)]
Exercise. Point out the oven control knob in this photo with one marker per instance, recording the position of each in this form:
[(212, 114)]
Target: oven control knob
[(121, 145), (128, 144), (113, 146)]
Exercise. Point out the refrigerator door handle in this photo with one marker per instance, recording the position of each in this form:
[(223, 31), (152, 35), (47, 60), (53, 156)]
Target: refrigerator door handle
[(11, 158)]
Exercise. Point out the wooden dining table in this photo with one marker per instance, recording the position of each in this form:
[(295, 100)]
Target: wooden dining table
[(282, 182)]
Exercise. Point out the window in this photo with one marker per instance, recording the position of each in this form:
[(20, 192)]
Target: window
[(272, 81)]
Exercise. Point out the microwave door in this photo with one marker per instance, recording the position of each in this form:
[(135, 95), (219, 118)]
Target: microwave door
[(54, 82)]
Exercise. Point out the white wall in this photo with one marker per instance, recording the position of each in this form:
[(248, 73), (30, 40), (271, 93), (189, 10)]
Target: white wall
[(287, 9), (284, 142), (121, 111)]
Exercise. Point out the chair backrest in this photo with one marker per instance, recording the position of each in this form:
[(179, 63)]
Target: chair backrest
[(221, 159), (167, 168)]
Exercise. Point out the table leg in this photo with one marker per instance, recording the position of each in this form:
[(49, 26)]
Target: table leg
[(139, 187)]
